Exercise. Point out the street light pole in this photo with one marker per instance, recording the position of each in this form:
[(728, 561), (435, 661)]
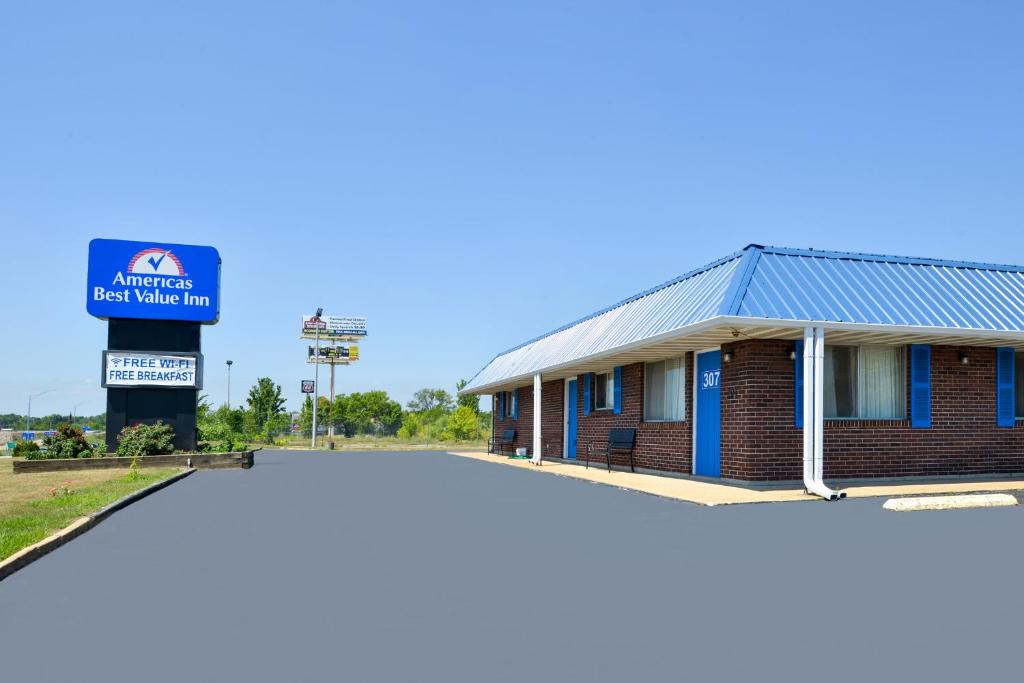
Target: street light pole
[(316, 375), (229, 383)]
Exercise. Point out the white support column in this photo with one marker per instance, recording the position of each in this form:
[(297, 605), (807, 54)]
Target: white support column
[(536, 420)]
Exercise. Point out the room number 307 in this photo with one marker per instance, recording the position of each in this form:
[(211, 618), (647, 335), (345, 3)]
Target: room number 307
[(709, 379)]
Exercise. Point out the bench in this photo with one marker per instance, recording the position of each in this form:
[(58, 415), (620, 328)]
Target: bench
[(618, 440), (496, 444)]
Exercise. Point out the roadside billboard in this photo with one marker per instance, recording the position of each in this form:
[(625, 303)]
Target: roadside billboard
[(333, 328), (335, 352)]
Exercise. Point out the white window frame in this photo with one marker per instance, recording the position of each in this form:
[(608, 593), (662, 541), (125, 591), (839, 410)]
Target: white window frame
[(682, 389), (609, 390), (857, 387)]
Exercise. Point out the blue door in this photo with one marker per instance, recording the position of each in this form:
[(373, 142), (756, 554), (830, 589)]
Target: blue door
[(570, 422), (709, 414)]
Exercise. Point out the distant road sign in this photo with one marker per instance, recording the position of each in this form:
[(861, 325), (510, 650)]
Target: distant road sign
[(307, 386)]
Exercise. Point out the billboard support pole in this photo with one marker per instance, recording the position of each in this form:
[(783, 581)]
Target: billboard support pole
[(330, 426), (316, 380)]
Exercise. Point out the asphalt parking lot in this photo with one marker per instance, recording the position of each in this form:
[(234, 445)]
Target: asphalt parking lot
[(429, 567)]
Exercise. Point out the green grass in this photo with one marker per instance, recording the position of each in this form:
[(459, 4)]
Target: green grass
[(32, 521)]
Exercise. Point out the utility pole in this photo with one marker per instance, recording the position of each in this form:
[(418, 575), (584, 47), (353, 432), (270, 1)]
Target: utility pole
[(229, 382), (316, 375), (71, 417), (28, 417)]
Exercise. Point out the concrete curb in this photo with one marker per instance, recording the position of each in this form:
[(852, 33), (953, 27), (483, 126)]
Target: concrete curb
[(984, 500), (28, 555)]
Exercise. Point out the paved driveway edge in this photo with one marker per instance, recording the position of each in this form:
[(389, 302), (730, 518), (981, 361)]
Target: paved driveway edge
[(28, 555)]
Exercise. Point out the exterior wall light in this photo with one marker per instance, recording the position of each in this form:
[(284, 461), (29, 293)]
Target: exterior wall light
[(791, 351), (727, 356), (965, 359)]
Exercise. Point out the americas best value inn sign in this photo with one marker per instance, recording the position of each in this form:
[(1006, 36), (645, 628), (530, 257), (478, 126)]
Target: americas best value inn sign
[(153, 281)]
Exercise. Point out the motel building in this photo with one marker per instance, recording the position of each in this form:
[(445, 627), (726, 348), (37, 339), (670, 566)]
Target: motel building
[(777, 364)]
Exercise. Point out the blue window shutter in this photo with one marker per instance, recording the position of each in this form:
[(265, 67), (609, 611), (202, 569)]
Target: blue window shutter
[(1006, 410), (798, 385), (586, 392), (920, 386), (618, 389), (501, 405), (515, 404)]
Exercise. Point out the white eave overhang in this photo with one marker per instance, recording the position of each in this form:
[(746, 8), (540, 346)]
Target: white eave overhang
[(719, 330)]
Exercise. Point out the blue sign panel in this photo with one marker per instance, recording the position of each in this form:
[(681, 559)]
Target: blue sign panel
[(153, 281)]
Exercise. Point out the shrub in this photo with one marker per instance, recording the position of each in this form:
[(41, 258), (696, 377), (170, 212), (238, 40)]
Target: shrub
[(136, 440), (68, 442), (223, 430), (29, 450), (412, 424)]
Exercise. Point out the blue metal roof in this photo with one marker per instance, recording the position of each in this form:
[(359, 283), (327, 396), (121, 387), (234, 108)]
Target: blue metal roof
[(791, 286), (807, 285)]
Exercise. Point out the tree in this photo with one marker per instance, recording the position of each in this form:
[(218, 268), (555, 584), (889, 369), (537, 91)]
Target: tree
[(225, 428), (265, 401), (428, 399), (306, 415), (470, 401), (203, 407), (372, 412), (463, 425), (412, 425)]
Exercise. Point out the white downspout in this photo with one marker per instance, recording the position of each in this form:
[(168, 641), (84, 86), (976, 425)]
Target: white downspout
[(814, 415), (536, 420)]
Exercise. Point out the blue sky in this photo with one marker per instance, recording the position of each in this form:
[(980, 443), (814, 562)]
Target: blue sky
[(468, 175)]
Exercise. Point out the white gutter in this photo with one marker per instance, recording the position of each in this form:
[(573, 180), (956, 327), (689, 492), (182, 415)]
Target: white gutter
[(814, 415)]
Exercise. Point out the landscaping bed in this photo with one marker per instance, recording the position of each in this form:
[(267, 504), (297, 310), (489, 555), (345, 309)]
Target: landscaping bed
[(203, 461)]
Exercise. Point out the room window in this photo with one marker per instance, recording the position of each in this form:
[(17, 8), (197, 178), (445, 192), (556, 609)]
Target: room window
[(510, 404), (663, 390), (604, 391), (864, 382)]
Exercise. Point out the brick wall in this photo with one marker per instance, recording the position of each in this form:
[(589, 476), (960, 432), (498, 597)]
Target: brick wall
[(552, 419), (760, 441), (660, 445), (552, 398), (524, 425)]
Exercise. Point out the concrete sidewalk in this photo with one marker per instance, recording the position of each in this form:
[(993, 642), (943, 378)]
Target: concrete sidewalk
[(710, 493)]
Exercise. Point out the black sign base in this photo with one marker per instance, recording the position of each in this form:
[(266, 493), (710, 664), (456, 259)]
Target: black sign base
[(147, 405)]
